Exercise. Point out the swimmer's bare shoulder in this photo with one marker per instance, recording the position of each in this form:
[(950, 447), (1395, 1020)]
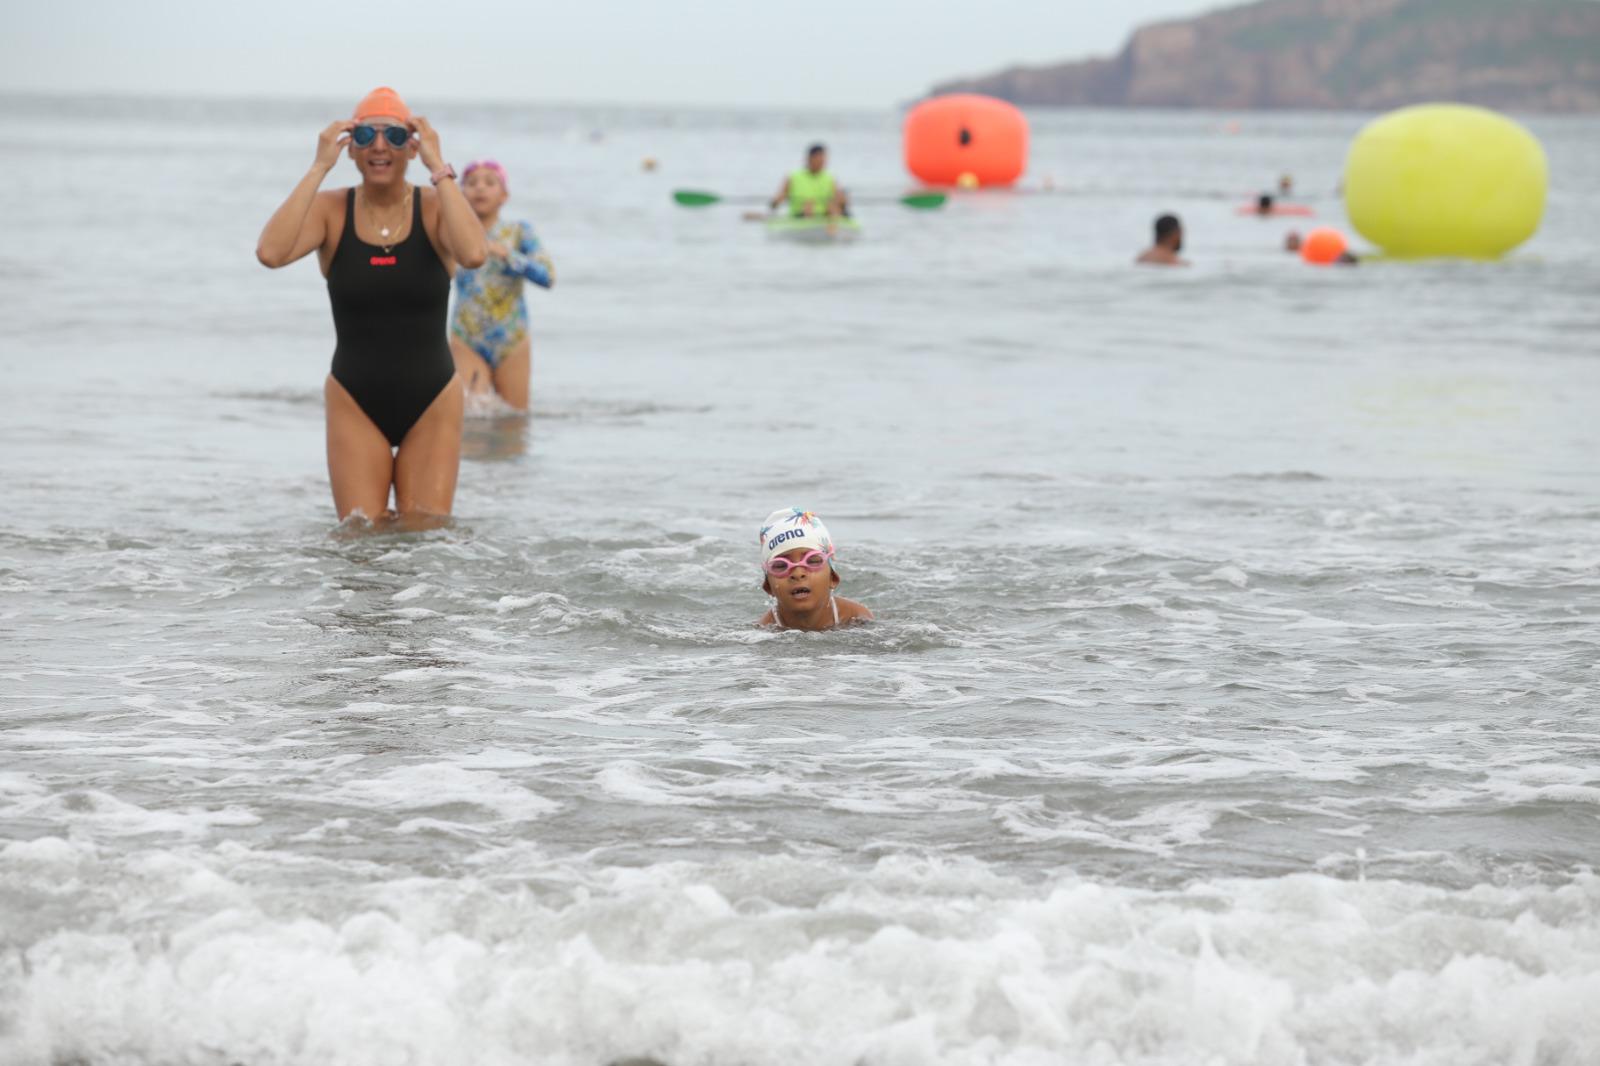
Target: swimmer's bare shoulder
[(851, 611), (1160, 257)]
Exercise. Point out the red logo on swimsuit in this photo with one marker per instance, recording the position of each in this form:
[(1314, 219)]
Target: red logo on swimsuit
[(382, 261)]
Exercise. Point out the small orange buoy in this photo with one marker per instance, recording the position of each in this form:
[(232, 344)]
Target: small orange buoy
[(1323, 245), (964, 137)]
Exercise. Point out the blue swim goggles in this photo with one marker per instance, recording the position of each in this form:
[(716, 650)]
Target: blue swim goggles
[(363, 135)]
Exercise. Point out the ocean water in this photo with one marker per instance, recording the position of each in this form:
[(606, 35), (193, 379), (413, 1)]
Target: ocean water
[(1232, 699)]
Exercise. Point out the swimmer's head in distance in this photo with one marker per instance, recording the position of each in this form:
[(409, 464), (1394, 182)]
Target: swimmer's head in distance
[(1168, 227), (491, 165)]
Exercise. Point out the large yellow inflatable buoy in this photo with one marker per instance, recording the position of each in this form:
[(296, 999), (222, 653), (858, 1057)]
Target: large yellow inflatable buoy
[(966, 139), (1445, 180)]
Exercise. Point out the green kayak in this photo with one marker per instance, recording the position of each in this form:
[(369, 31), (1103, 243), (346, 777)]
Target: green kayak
[(813, 229)]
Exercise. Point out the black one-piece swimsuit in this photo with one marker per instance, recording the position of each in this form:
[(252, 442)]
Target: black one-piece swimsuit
[(389, 312)]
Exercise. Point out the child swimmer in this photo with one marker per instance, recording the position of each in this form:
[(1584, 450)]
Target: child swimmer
[(489, 328), (797, 556)]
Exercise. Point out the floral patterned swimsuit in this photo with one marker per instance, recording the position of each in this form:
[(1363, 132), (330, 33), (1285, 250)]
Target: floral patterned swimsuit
[(490, 315)]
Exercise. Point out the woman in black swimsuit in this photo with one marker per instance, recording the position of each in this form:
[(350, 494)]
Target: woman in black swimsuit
[(387, 249)]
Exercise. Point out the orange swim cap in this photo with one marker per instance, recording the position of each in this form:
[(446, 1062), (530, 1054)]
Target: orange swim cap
[(382, 102)]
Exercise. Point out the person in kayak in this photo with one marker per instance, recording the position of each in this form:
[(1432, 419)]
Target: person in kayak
[(1169, 242), (489, 329), (811, 191), (797, 559)]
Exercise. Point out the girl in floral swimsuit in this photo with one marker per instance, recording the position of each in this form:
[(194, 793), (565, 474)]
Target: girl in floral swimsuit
[(489, 328)]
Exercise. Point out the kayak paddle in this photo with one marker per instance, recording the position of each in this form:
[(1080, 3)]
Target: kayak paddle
[(920, 201)]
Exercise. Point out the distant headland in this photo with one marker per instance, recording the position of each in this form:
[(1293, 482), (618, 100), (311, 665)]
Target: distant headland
[(1516, 55)]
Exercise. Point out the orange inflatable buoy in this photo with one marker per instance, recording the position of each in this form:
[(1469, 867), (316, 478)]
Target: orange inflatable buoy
[(1323, 245), (966, 139)]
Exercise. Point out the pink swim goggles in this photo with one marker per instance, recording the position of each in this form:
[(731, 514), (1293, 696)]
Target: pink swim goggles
[(812, 560), (487, 164)]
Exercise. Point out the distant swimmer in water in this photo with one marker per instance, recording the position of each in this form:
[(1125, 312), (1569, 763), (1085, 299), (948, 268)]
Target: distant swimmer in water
[(1266, 206), (1286, 186), (387, 249), (797, 557), (1169, 242), (489, 330), (812, 191)]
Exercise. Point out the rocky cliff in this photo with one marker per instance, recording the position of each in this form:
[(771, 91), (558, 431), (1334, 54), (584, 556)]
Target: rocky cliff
[(1519, 55)]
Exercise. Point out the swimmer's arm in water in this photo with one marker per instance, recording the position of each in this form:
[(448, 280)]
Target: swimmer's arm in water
[(300, 224), (528, 261)]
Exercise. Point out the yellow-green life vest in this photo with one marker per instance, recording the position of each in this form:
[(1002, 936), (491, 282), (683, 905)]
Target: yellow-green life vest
[(808, 188)]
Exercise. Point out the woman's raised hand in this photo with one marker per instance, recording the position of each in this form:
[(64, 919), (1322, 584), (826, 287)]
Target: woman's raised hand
[(331, 141), (427, 143)]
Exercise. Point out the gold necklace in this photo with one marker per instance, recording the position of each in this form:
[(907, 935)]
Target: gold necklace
[(383, 231)]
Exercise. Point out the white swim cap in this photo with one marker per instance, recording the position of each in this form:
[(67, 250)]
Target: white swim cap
[(789, 528)]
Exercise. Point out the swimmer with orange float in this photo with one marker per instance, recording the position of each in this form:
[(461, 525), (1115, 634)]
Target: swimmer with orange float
[(393, 400), (797, 561), (1169, 242), (1324, 246)]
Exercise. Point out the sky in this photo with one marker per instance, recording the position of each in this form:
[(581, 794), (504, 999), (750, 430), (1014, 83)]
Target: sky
[(805, 53)]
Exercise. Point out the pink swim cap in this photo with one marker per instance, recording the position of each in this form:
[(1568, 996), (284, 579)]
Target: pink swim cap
[(487, 164)]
